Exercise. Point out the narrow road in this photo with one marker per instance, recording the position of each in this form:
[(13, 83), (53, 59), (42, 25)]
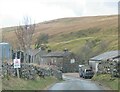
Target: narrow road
[(73, 82)]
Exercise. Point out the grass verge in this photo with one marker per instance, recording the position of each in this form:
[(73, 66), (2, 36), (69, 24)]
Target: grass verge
[(108, 81), (21, 84)]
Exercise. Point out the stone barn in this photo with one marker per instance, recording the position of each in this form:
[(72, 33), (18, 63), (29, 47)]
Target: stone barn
[(105, 57)]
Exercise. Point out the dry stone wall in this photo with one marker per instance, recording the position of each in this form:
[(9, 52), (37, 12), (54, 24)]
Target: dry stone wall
[(29, 71)]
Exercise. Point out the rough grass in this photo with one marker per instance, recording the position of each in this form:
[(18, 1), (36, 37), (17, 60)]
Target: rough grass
[(75, 41), (21, 84), (108, 81), (71, 44), (73, 27)]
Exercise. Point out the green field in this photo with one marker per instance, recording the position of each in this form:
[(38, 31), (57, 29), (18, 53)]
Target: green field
[(21, 84), (77, 38)]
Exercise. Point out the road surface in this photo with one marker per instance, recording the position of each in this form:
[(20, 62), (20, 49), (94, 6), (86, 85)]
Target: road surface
[(76, 83)]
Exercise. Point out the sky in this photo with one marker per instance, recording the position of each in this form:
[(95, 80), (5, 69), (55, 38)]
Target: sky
[(12, 12)]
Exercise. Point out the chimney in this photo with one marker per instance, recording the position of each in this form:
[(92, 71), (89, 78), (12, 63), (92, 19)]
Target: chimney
[(65, 50), (49, 50)]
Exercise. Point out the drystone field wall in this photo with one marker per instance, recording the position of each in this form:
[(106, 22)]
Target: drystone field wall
[(28, 71), (109, 67)]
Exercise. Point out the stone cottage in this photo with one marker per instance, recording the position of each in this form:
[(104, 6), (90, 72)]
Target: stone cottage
[(61, 59)]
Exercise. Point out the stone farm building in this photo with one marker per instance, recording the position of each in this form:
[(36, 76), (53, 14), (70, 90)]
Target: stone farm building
[(61, 59), (34, 56), (104, 60)]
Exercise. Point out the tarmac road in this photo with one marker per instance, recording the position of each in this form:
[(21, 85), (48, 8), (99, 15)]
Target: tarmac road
[(76, 83)]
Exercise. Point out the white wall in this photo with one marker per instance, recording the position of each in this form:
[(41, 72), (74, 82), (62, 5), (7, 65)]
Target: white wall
[(94, 65)]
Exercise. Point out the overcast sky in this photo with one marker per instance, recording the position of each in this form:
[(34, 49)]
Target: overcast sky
[(13, 11)]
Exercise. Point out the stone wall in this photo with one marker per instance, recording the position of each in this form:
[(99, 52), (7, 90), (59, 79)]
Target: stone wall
[(29, 71), (110, 67)]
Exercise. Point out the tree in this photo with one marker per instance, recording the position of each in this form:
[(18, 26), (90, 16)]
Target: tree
[(42, 39), (25, 33)]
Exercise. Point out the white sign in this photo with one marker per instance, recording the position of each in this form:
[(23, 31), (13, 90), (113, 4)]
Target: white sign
[(17, 63), (72, 61)]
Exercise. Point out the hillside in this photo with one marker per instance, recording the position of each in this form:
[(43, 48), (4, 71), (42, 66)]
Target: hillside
[(79, 34)]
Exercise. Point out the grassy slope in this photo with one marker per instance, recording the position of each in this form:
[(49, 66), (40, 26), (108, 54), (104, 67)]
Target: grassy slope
[(72, 33), (21, 84), (106, 80), (75, 42), (76, 39)]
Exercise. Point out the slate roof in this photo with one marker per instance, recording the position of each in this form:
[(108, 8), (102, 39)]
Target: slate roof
[(57, 54), (35, 52), (106, 55)]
